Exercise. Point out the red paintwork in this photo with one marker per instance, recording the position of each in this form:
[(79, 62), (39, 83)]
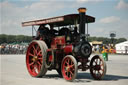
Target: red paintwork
[(50, 58), (61, 42), (68, 49), (58, 41)]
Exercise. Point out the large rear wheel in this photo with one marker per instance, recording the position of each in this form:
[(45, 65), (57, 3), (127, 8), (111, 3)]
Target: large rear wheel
[(69, 68), (97, 67), (35, 58)]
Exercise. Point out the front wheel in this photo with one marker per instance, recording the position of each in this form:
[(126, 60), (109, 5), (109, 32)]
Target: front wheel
[(97, 67), (69, 68)]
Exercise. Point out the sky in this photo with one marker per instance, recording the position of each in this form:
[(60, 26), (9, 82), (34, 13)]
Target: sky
[(111, 15)]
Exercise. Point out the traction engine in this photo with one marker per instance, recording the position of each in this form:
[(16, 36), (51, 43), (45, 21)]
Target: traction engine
[(65, 50)]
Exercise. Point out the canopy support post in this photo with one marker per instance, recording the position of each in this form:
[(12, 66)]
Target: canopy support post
[(32, 30), (87, 32)]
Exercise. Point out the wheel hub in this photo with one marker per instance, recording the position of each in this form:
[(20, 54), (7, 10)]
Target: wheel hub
[(67, 68), (97, 67), (35, 58)]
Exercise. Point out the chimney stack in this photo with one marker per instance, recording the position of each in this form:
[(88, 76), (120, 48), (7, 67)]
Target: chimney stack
[(82, 17)]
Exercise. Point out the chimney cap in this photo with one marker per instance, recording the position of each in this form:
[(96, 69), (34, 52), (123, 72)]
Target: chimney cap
[(82, 10)]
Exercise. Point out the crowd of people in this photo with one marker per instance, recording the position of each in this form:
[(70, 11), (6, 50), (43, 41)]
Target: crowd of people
[(22, 48), (103, 48), (13, 49)]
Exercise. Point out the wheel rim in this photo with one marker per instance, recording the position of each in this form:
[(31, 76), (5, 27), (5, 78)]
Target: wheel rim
[(34, 59), (68, 68), (98, 68)]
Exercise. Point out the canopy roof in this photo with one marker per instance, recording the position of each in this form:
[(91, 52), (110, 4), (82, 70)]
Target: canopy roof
[(125, 43), (69, 19), (97, 42)]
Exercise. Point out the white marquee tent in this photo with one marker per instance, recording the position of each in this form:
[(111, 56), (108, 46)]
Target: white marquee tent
[(122, 48)]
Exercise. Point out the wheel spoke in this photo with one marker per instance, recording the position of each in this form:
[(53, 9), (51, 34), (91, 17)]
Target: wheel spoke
[(39, 63), (99, 74), (39, 53), (36, 68), (32, 67), (71, 73), (31, 63), (67, 73), (102, 69), (40, 59), (39, 67), (34, 53), (33, 70), (70, 76), (71, 63), (71, 66), (37, 48), (65, 66), (30, 54), (95, 62), (34, 50), (67, 62)]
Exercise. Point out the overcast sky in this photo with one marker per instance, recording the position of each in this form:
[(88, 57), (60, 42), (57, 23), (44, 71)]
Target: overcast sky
[(111, 15)]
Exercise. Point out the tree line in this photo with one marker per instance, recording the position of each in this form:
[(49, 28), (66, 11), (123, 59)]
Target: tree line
[(14, 38), (23, 38)]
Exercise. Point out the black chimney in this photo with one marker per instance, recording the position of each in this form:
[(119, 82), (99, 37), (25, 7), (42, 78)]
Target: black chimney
[(82, 13)]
